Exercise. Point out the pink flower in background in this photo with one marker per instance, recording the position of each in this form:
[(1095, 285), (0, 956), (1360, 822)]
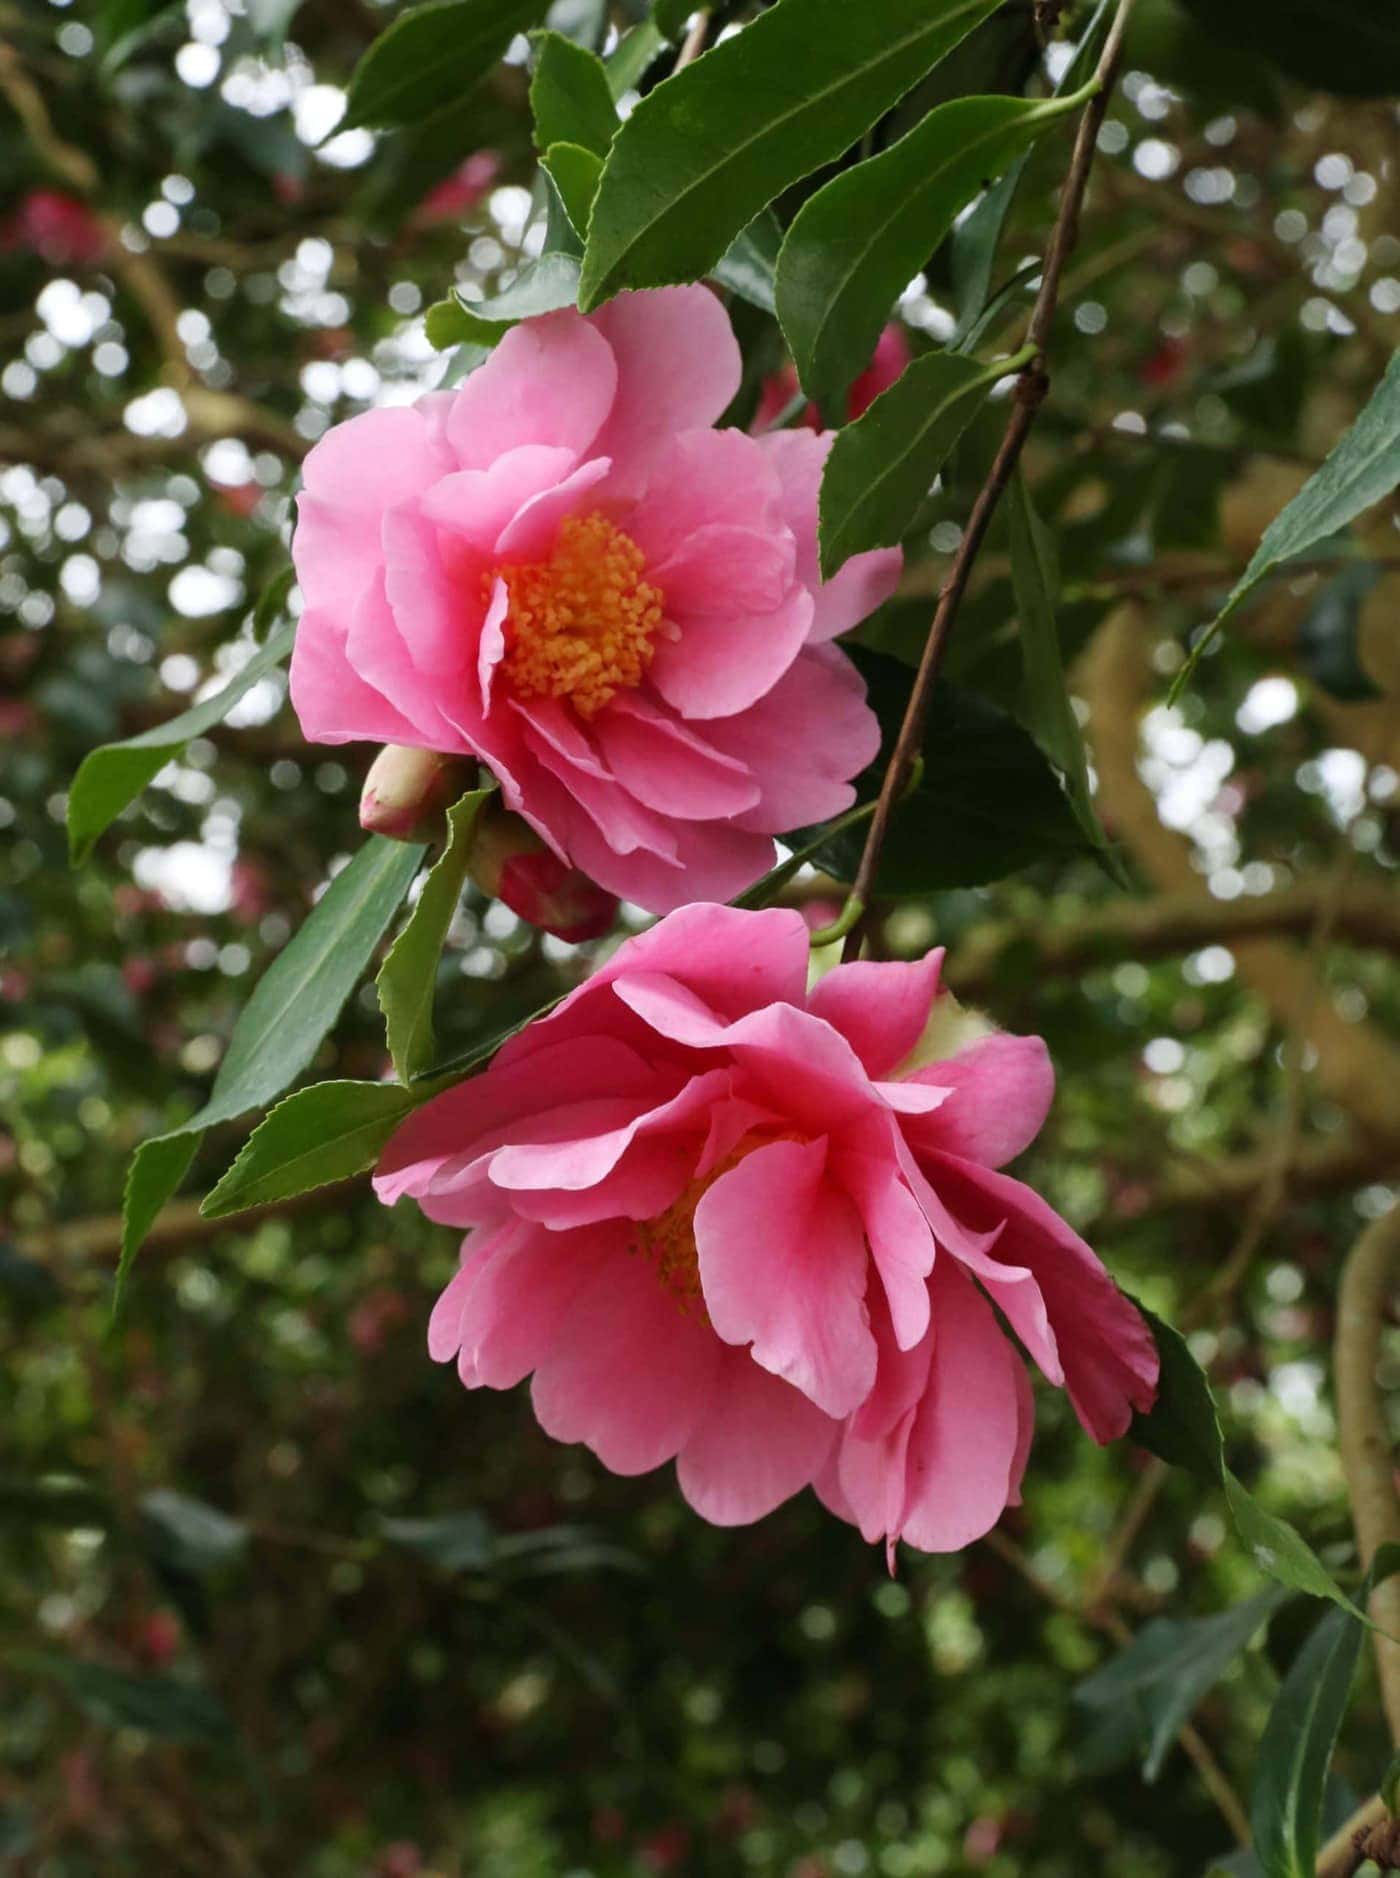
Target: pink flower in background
[(563, 569), (458, 194), (59, 228), (720, 1221), (890, 357)]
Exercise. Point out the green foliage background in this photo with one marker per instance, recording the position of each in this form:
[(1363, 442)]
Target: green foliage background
[(275, 1594)]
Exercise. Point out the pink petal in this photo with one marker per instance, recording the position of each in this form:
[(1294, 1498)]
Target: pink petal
[(757, 1443), (966, 1445), (634, 1373), (437, 606), (357, 471), (880, 1008), (332, 702), (901, 1242), (485, 1110), (603, 805), (708, 861), (735, 961), (1109, 1357), (700, 479), (804, 778), (721, 664), (576, 1161), (802, 1065), (551, 380), (678, 368), (491, 647), (722, 568), (531, 535), (1013, 1287), (667, 767), (783, 1267), (1002, 1087), (866, 581), (477, 504)]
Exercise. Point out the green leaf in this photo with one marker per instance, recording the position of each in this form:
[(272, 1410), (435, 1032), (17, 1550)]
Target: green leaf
[(570, 96), (1295, 1752), (882, 466), (283, 1024), (191, 1535), (986, 804), (331, 1131), (574, 172), (672, 16), (408, 975), (1347, 46), (1360, 470), (300, 995), (272, 601), (713, 145), (1157, 1681), (633, 55), (161, 1706), (859, 241), (111, 777), (1327, 637), (749, 264), (1046, 710), (453, 1542), (431, 57), (157, 1168), (1183, 1428), (546, 285)]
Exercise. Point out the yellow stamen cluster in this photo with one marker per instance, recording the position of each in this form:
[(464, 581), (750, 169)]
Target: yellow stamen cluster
[(582, 624), (669, 1241)]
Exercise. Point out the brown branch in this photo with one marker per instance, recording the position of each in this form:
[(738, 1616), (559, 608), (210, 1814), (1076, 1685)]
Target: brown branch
[(1366, 913), (1320, 1166), (1029, 394), (1368, 1283), (99, 1239)]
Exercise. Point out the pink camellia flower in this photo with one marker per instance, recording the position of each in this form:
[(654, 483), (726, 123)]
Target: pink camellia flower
[(722, 1220), (59, 228), (563, 569), (890, 357), (458, 194)]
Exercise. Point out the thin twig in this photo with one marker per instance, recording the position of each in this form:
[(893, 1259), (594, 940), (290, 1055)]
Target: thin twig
[(694, 43), (1027, 398), (1368, 1281)]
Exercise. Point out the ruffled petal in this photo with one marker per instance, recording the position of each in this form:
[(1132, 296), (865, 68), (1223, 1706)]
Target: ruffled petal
[(757, 1443)]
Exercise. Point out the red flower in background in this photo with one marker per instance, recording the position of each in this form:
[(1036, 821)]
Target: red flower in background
[(58, 228)]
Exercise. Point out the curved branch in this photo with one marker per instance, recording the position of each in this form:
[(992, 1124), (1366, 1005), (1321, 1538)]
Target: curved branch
[(1368, 1280)]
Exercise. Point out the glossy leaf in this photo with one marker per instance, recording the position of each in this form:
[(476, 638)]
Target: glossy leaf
[(300, 995), (1046, 709), (431, 57), (282, 1025), (1156, 1682), (986, 804), (157, 1168), (160, 1706), (712, 146), (858, 242), (110, 778), (331, 1131), (1360, 470), (749, 264), (546, 285), (570, 96), (191, 1535), (1290, 1779), (1183, 1428), (882, 466), (409, 973), (633, 55), (574, 172)]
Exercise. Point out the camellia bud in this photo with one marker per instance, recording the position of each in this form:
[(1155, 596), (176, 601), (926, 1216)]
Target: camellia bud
[(408, 792), (512, 864)]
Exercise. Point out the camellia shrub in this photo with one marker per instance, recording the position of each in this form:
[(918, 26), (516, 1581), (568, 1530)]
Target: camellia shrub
[(847, 553)]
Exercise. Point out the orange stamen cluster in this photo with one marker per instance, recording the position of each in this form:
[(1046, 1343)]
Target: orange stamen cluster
[(669, 1241), (581, 625)]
